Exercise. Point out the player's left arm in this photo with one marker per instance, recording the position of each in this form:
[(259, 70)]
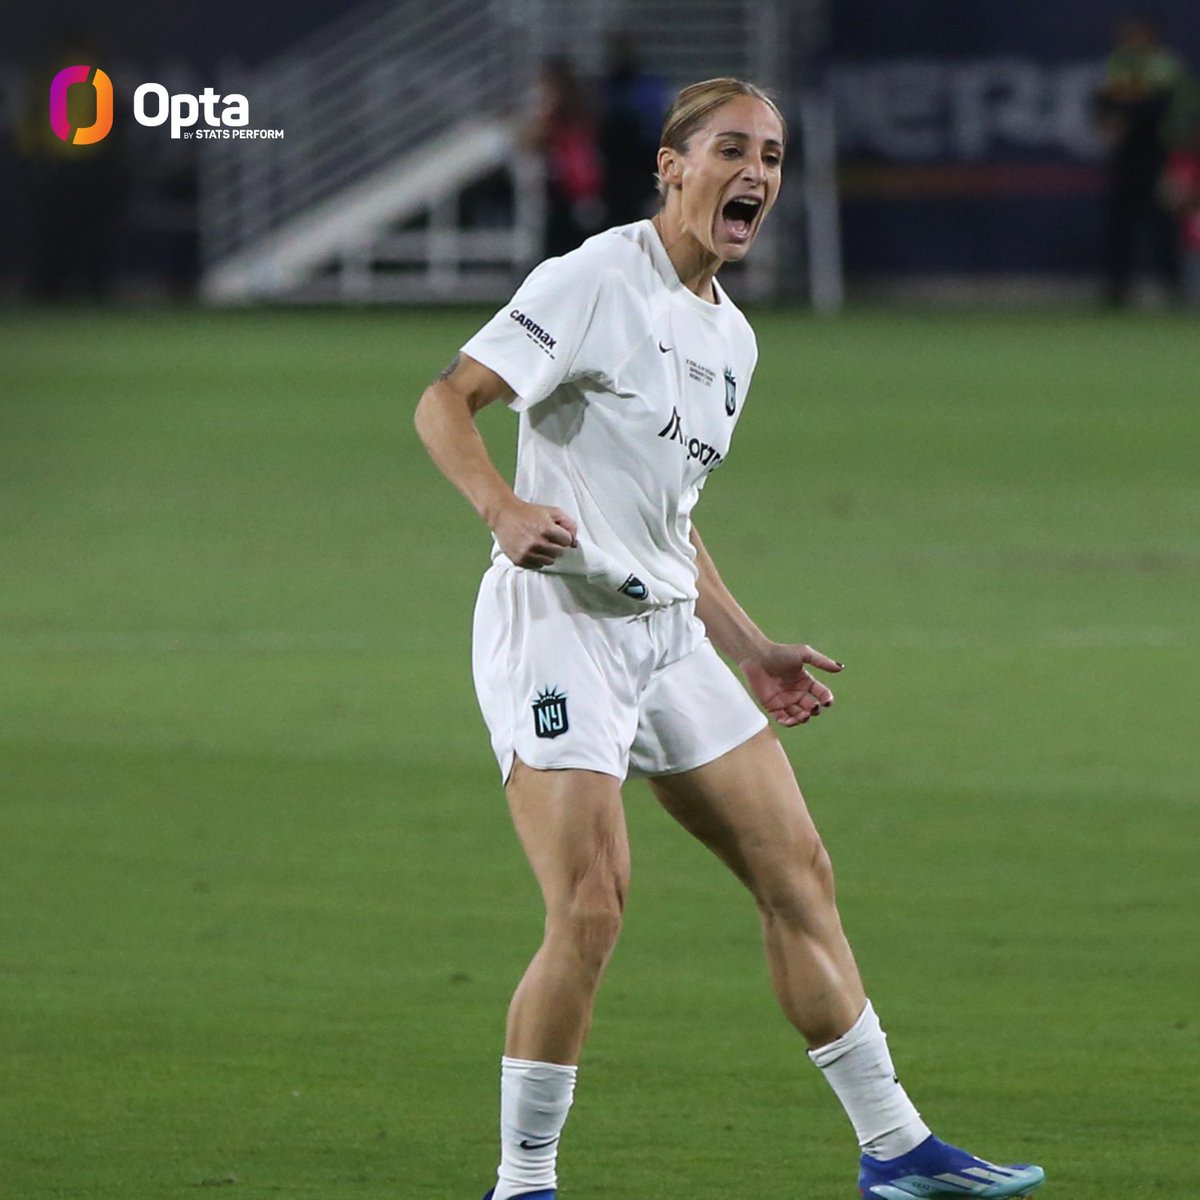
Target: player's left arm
[(777, 672)]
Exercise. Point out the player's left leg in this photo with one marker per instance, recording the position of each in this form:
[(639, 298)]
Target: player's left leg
[(747, 808)]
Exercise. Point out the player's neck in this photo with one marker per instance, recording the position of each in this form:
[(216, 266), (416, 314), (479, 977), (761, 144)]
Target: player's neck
[(696, 266)]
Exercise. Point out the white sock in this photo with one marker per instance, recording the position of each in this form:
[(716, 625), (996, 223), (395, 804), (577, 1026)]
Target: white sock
[(859, 1069), (535, 1098)]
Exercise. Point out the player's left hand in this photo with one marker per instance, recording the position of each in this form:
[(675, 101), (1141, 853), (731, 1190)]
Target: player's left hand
[(778, 677)]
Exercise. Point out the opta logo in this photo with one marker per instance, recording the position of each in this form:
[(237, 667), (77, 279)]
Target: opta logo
[(185, 109), (60, 121), (152, 105)]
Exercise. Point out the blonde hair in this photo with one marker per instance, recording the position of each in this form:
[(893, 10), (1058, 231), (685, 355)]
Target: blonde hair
[(696, 102)]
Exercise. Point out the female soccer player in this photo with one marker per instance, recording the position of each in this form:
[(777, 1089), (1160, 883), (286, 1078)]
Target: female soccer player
[(594, 635)]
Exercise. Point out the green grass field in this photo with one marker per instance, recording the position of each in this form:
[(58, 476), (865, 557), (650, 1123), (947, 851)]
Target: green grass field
[(260, 906)]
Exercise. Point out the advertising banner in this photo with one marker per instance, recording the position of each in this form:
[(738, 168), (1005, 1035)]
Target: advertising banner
[(969, 139)]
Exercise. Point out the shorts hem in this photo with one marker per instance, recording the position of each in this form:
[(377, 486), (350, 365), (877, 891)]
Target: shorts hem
[(708, 755), (510, 761)]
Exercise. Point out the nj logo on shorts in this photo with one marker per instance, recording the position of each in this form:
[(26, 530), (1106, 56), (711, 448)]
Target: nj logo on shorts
[(550, 714)]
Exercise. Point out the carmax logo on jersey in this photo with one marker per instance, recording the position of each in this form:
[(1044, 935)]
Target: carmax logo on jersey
[(152, 105)]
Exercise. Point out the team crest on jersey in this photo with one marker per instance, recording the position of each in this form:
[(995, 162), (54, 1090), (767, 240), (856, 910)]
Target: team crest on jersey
[(550, 713), (634, 588), (730, 393)]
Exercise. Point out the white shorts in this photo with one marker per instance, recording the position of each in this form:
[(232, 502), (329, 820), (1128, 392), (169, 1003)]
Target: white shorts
[(625, 693)]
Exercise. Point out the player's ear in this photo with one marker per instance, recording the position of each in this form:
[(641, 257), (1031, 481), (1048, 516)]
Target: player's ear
[(670, 169)]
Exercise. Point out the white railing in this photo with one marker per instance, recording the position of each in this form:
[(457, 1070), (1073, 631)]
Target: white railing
[(381, 81), (386, 81)]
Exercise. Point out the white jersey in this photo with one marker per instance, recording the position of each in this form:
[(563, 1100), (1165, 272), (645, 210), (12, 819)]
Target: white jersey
[(629, 387)]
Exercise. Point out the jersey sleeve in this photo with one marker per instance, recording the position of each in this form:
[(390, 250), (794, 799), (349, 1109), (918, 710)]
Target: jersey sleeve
[(547, 334)]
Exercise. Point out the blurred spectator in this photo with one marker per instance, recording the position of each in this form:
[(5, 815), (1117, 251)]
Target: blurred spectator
[(635, 102), (564, 130), (1144, 83), (1181, 191)]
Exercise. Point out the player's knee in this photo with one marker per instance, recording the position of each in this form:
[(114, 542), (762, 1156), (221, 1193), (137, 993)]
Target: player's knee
[(591, 920), (594, 931), (820, 867), (803, 882)]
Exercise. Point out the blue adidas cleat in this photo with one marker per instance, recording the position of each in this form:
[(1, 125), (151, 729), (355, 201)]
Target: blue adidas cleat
[(935, 1169), (544, 1194)]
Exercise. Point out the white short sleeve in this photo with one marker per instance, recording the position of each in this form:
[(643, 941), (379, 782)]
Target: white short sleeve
[(545, 336)]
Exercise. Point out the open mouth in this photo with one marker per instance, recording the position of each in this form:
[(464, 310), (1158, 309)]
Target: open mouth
[(738, 216)]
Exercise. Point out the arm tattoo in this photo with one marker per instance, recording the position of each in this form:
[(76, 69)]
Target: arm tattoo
[(446, 372)]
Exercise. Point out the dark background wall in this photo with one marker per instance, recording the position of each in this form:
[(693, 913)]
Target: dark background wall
[(965, 127), (967, 139), (132, 198)]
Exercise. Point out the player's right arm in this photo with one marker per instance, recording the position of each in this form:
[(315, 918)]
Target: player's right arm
[(531, 535)]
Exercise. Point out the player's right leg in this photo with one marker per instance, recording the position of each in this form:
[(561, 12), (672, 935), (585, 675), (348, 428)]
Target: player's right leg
[(572, 827), (558, 688), (571, 824)]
